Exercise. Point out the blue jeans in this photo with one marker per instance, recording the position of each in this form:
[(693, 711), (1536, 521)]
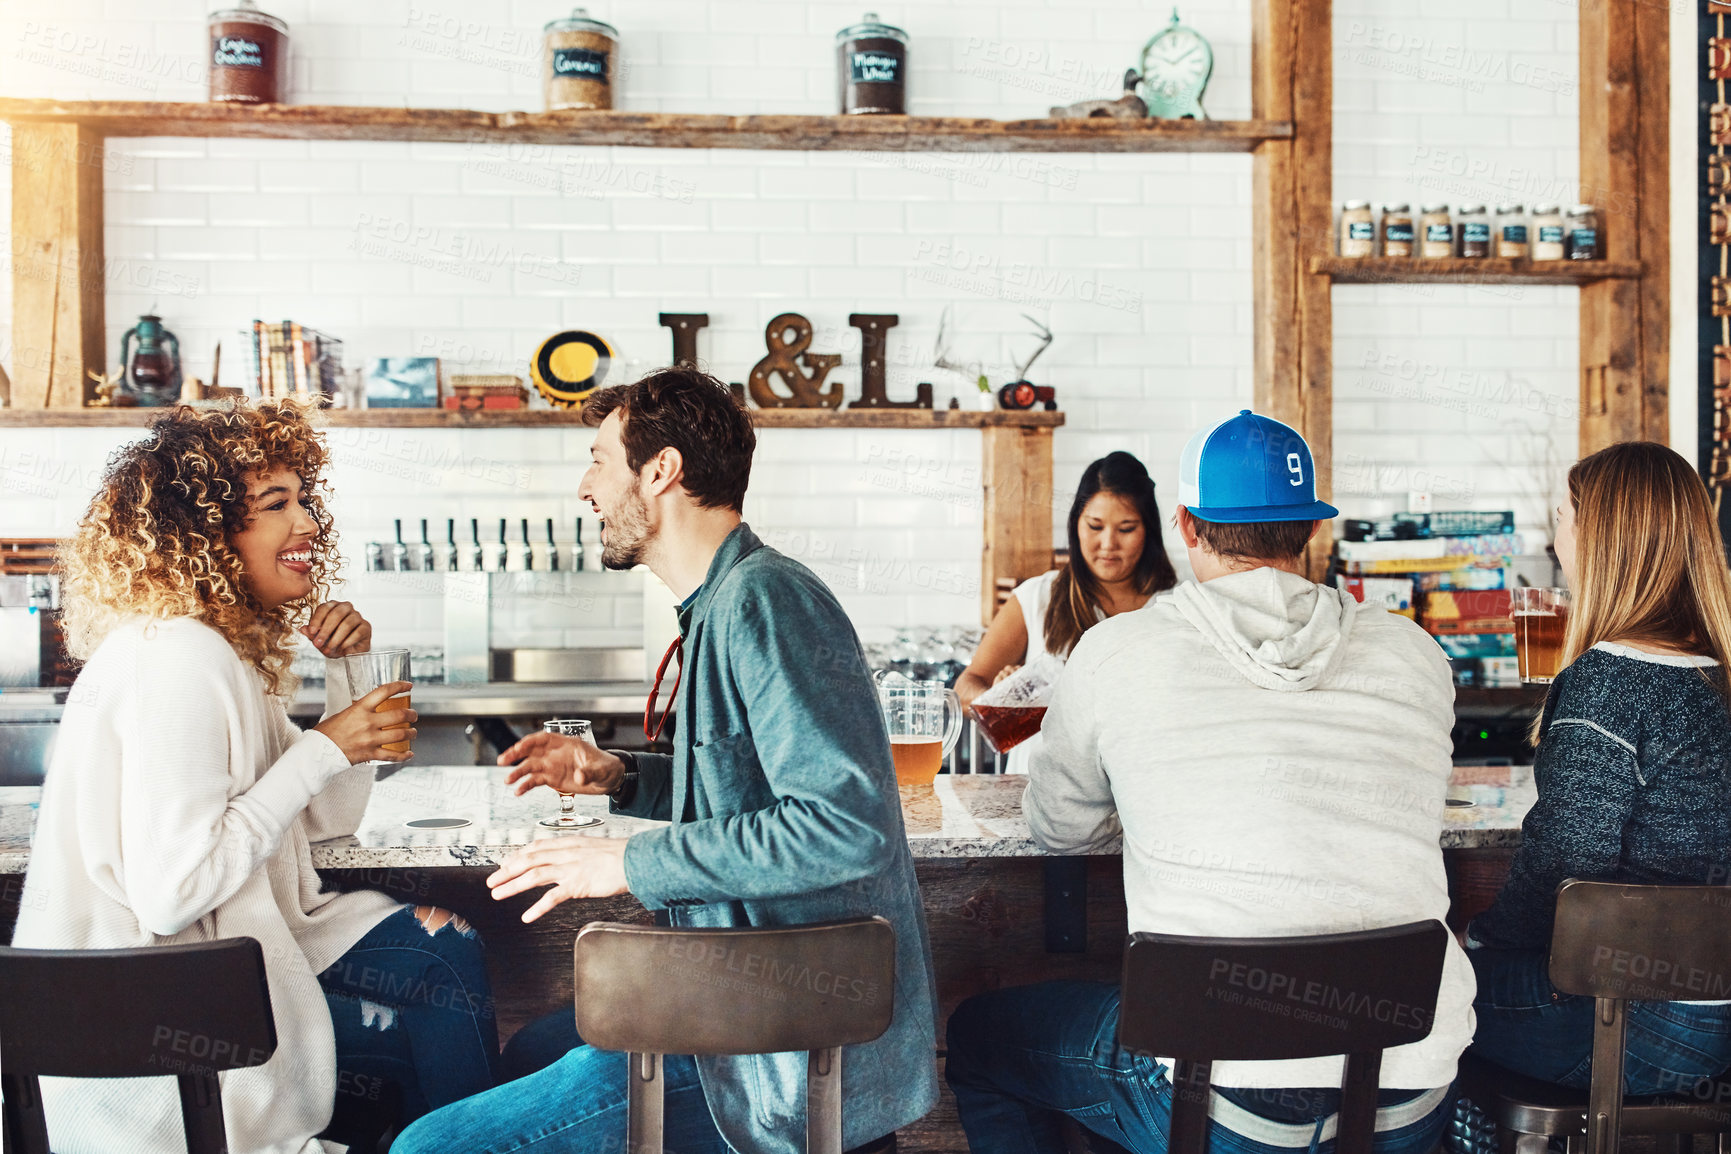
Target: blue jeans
[(1020, 1058), (414, 1008), (568, 1098), (1526, 1026)]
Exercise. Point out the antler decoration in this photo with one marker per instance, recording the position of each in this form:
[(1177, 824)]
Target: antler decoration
[(1045, 334)]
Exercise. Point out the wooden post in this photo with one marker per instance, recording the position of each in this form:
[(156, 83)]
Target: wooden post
[(1625, 102), (1293, 79), (1016, 467), (58, 271)]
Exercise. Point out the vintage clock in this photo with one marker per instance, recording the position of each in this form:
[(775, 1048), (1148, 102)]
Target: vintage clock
[(1176, 65), (569, 366)]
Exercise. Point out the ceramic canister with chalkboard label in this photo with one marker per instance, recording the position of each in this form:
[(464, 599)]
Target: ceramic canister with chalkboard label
[(248, 56), (871, 68), (579, 59)]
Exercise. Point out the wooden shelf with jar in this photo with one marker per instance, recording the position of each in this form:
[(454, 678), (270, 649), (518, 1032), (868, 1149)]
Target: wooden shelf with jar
[(555, 418), (1478, 270)]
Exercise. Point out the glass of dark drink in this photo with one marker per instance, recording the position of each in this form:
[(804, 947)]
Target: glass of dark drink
[(1541, 618)]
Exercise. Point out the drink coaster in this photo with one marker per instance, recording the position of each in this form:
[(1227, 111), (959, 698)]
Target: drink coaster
[(437, 823)]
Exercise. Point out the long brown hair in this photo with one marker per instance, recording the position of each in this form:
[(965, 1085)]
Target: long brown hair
[(1649, 562), (155, 540), (1075, 603)]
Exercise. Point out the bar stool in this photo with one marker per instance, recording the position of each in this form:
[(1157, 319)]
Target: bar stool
[(651, 991), (1619, 943), (191, 1011), (1202, 1000)]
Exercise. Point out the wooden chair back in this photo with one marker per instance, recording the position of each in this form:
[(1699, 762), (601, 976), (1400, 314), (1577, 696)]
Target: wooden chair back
[(1202, 1000), (651, 991), (190, 1011)]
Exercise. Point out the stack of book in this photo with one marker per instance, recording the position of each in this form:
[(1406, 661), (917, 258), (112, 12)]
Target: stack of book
[(291, 359), (1448, 571)]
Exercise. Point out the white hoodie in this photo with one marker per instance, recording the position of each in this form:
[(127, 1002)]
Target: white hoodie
[(1276, 757)]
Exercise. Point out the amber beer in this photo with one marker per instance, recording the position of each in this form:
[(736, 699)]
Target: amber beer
[(917, 759), (385, 707), (1541, 618)]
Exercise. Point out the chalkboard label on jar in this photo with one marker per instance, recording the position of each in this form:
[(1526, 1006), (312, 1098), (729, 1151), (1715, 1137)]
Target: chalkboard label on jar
[(1443, 233), (1473, 233), (1361, 230), (1583, 244), (874, 67), (1551, 234), (584, 63), (236, 52), (1515, 233), (1398, 232)]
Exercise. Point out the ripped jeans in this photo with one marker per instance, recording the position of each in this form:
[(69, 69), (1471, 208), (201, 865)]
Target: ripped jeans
[(411, 1004)]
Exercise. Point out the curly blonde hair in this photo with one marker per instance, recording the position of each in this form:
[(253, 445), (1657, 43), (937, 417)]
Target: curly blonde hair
[(155, 540)]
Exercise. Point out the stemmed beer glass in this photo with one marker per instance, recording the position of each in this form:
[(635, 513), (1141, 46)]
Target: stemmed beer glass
[(568, 817)]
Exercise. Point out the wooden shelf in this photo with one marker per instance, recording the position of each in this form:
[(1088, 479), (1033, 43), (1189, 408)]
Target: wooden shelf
[(1398, 270), (647, 129), (543, 418)]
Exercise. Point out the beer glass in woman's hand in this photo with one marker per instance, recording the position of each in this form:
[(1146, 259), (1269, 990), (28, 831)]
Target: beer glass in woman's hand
[(370, 730)]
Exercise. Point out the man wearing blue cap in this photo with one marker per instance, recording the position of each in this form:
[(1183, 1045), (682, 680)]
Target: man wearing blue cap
[(1275, 758)]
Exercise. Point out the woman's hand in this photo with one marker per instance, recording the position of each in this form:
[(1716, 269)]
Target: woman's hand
[(1005, 672), (337, 629), (576, 867), (563, 764), (362, 733)]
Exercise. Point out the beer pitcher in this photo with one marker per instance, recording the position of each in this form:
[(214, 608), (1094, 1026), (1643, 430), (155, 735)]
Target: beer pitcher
[(923, 719)]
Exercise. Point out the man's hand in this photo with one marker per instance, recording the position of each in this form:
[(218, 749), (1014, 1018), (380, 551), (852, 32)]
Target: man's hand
[(576, 867), (564, 764), (337, 629)]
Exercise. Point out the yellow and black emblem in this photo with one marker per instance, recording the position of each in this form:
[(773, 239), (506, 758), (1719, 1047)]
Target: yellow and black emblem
[(569, 366)]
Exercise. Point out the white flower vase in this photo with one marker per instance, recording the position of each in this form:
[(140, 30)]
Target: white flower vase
[(986, 402)]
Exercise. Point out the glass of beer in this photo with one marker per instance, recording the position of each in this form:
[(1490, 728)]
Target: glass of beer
[(365, 672), (1541, 618), (923, 719), (568, 817)]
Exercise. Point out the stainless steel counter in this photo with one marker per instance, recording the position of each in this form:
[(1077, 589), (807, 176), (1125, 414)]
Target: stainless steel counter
[(502, 699)]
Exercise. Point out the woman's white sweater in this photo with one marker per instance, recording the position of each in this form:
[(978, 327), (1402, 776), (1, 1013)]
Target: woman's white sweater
[(179, 807)]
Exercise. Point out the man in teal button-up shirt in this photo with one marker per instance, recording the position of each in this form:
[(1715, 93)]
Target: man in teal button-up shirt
[(780, 790)]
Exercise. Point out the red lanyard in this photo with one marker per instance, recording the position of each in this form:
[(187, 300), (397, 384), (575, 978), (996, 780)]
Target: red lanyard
[(677, 649)]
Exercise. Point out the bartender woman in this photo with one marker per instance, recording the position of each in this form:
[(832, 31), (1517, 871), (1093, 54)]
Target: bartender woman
[(1114, 530)]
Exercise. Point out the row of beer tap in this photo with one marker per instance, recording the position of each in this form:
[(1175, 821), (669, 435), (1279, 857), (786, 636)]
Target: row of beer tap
[(474, 556)]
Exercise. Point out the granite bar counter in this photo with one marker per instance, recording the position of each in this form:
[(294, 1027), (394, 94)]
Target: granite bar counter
[(966, 816), (483, 699)]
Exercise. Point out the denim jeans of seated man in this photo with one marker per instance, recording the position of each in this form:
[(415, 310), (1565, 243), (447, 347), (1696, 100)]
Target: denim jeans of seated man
[(567, 1098), (411, 1004), (1525, 1025), (1020, 1058)]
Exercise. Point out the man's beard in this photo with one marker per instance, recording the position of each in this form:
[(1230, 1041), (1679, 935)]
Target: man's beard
[(627, 534)]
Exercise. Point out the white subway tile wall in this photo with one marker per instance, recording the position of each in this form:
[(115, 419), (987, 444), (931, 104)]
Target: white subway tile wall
[(1139, 264)]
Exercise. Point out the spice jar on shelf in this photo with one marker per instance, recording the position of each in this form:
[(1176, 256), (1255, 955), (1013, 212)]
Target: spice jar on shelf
[(1511, 232), (578, 58), (248, 56), (1475, 232), (871, 68), (1581, 233), (1357, 233), (1437, 231), (1547, 232), (1396, 230)]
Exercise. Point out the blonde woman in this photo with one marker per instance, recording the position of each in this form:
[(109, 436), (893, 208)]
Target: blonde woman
[(1634, 749), (181, 800)]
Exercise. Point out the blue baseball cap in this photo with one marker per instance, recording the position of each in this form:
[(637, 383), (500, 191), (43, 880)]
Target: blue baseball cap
[(1247, 469)]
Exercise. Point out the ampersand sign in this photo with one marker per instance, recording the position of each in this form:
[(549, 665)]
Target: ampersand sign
[(784, 359)]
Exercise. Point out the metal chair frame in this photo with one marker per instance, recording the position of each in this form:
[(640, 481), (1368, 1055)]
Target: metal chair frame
[(1199, 1000), (815, 988), (104, 1013), (1603, 933)]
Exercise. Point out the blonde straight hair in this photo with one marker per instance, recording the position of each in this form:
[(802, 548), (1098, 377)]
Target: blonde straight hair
[(1649, 563)]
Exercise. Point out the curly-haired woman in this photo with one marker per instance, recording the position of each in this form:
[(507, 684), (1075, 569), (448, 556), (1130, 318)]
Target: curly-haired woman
[(181, 800)]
